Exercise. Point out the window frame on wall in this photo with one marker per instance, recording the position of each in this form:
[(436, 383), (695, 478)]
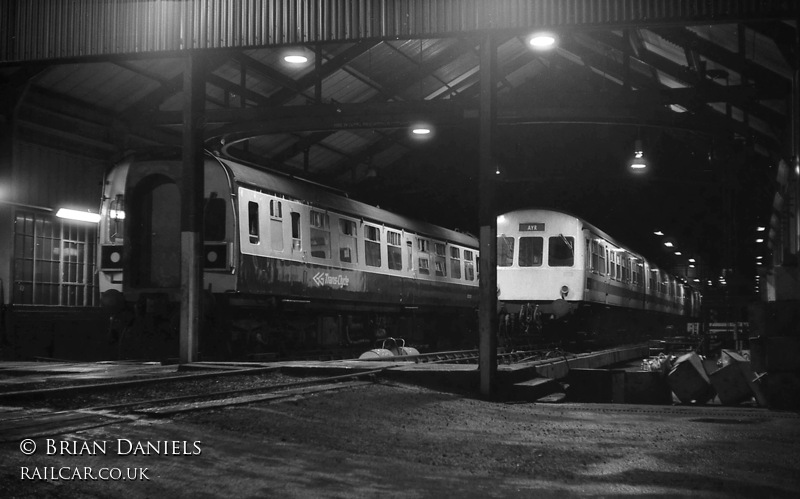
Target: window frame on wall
[(54, 261)]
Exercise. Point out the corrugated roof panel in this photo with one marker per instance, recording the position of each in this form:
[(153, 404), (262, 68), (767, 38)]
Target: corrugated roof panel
[(103, 85), (659, 46), (758, 49), (341, 86), (348, 141)]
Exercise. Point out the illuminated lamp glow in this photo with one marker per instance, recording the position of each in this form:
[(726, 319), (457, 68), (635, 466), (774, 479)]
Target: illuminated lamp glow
[(759, 257), (658, 233), (761, 228), (678, 253), (421, 130), (638, 164), (759, 240), (82, 216), (542, 41), (296, 59), (691, 265), (691, 260), (116, 214), (668, 244)]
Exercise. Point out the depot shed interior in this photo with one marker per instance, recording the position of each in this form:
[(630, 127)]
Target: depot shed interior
[(708, 91)]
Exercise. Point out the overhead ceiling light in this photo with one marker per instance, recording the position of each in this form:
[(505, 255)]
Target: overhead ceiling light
[(759, 240), (668, 244), (420, 130), (761, 228), (692, 260), (658, 233), (295, 59), (678, 253), (638, 162), (81, 216), (542, 41)]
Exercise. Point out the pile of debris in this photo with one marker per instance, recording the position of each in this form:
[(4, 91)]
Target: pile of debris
[(733, 381)]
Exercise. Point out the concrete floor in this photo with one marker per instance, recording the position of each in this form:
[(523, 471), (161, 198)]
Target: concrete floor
[(393, 439)]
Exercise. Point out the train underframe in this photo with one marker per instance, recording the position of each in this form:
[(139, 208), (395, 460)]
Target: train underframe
[(241, 327), (581, 326)]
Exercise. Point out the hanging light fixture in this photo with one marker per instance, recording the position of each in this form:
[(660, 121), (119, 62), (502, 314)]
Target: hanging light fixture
[(638, 162)]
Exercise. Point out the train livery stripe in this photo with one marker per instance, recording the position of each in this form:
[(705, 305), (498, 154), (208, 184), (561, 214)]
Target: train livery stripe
[(597, 286), (286, 278)]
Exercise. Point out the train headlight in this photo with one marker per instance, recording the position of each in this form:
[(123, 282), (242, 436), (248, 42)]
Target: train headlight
[(111, 257), (216, 256), (564, 291)]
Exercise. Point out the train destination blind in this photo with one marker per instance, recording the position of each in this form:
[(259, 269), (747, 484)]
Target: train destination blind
[(531, 227)]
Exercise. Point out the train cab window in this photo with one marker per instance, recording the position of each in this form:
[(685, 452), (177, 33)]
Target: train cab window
[(116, 219), (394, 251), (347, 241), (439, 259), (560, 251), (214, 218), (252, 222), (530, 251), (455, 262), (320, 234), (469, 266), (372, 246), (276, 224), (297, 243), (505, 251)]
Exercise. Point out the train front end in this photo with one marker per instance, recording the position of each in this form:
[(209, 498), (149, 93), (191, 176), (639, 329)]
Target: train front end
[(540, 264)]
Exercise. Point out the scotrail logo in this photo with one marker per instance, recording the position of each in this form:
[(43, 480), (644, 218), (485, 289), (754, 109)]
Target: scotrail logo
[(323, 278)]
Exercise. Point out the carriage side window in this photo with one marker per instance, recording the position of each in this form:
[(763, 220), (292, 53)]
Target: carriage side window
[(587, 255), (372, 246), (455, 262), (409, 254), (469, 266), (394, 250), (276, 224), (595, 257), (613, 265), (297, 243), (320, 234), (505, 251), (347, 241), (213, 218), (607, 262), (601, 260), (423, 262), (439, 260), (252, 222), (560, 251), (275, 209), (530, 251), (617, 263)]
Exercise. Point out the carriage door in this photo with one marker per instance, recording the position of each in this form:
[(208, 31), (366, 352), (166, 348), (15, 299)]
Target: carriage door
[(156, 234)]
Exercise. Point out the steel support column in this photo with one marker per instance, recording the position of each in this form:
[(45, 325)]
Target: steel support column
[(192, 186), (487, 312)]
